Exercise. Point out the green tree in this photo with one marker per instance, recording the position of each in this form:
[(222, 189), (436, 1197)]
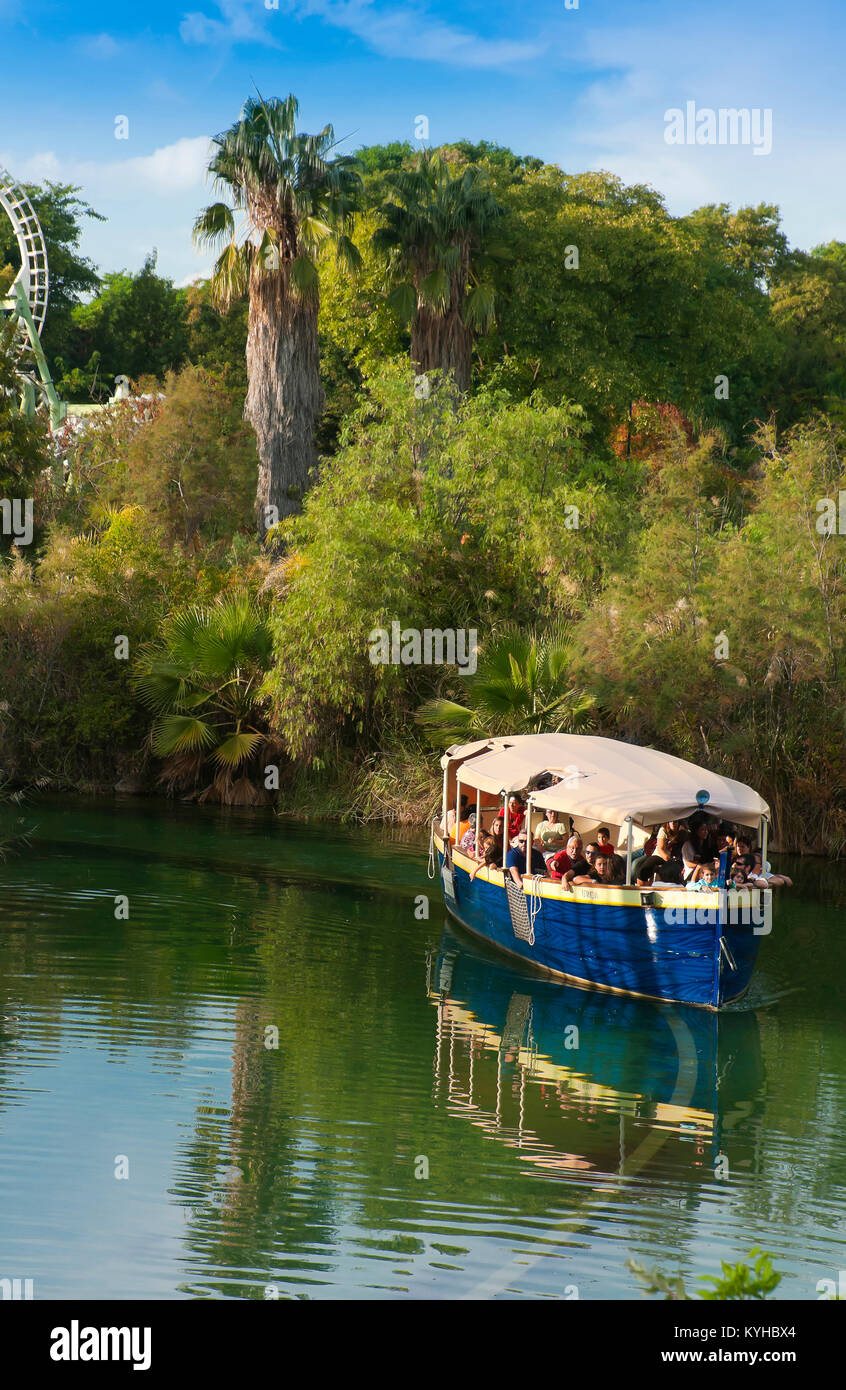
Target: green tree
[(218, 339), (482, 535), (295, 196), (608, 300), (435, 228), (193, 465), (809, 315), (68, 712), (358, 331), (135, 327)]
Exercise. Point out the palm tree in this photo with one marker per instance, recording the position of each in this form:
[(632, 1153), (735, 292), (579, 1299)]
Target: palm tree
[(295, 198), (520, 686), (202, 680), (436, 229)]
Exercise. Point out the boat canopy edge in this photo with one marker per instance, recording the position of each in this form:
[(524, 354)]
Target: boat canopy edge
[(603, 779)]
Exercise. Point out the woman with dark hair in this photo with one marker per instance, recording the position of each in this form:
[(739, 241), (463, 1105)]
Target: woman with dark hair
[(462, 815), (491, 858), (670, 838), (701, 848), (611, 869), (516, 816)]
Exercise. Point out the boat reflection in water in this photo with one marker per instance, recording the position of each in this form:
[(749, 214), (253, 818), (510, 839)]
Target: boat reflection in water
[(583, 1082)]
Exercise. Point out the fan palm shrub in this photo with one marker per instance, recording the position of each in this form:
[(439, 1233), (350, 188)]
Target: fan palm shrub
[(521, 686), (201, 679), (293, 198)]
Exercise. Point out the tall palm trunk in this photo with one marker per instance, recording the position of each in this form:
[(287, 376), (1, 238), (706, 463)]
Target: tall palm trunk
[(284, 395), (442, 339)]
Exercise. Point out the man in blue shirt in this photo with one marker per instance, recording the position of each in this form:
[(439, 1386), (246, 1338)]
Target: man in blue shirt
[(516, 860)]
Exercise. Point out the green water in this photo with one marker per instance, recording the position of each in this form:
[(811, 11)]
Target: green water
[(423, 1128)]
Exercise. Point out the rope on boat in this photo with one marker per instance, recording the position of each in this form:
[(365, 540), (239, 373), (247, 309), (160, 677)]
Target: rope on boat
[(430, 867), (534, 901)]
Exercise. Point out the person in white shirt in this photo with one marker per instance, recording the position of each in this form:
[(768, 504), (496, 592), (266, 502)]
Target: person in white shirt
[(551, 835)]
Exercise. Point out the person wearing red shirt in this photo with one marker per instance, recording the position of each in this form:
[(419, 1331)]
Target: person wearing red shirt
[(516, 816)]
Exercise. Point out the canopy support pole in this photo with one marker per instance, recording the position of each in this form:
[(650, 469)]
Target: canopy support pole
[(763, 838), (478, 817), (504, 829), (444, 807), (629, 851), (457, 806)]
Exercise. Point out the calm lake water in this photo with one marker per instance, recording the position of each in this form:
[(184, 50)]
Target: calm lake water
[(426, 1127)]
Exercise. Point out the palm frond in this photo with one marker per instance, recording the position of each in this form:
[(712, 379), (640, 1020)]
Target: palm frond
[(236, 749), (181, 733)]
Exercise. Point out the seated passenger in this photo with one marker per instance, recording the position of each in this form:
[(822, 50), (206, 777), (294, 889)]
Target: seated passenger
[(491, 858), (516, 860), (697, 850), (603, 841), (670, 838), (610, 869), (743, 851), (655, 871), (583, 869), (738, 877), (462, 819), (558, 864), (705, 879), (551, 835), (765, 874), (468, 839), (516, 817), (574, 845)]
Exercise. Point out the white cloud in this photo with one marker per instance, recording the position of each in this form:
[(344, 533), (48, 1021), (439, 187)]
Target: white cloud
[(618, 124), (172, 168), (238, 25), (393, 31), (100, 46), (410, 32)]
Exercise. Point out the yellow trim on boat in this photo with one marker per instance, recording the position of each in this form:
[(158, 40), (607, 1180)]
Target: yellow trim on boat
[(617, 897)]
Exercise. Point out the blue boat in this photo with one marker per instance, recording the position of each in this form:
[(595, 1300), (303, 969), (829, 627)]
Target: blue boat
[(660, 943)]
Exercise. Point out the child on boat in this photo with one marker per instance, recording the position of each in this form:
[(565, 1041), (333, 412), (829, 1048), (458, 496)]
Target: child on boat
[(704, 879)]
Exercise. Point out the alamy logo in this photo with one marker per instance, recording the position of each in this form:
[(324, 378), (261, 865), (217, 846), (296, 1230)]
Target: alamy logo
[(727, 126), (16, 1288), (732, 911), (77, 1343), (831, 520), (16, 519), (430, 647)]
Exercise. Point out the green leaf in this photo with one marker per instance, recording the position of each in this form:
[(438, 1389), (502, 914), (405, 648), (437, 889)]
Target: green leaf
[(434, 290), (236, 749), (181, 733), (305, 280), (403, 300)]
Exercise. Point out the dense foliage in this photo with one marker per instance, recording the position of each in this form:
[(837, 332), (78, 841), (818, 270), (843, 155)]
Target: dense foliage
[(626, 492)]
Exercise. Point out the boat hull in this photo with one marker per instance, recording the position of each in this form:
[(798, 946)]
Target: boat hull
[(668, 945)]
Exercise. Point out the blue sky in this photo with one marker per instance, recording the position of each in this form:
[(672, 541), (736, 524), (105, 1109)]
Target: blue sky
[(585, 87)]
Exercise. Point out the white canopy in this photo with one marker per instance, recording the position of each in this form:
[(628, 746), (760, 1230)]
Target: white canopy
[(603, 780)]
